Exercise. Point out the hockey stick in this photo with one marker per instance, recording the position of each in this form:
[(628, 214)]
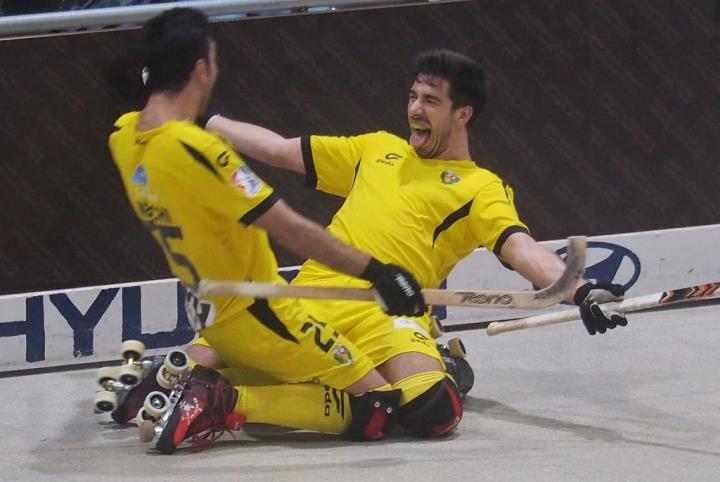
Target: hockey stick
[(682, 295), (553, 294)]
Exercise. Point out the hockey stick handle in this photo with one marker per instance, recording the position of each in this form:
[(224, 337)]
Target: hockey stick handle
[(626, 306), (555, 293), (270, 290)]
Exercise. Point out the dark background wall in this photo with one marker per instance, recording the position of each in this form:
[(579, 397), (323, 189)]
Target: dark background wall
[(603, 114)]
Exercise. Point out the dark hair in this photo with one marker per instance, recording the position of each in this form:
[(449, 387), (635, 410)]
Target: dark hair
[(173, 42), (465, 76)]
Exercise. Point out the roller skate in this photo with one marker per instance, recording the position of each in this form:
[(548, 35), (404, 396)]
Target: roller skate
[(200, 407), (116, 382), (454, 357), (124, 388)]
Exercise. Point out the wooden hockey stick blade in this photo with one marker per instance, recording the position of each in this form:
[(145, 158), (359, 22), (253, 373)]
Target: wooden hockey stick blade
[(575, 265), (702, 292), (553, 294)]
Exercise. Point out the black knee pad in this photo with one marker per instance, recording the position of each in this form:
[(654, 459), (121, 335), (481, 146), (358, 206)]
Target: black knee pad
[(373, 415), (459, 370), (434, 413)]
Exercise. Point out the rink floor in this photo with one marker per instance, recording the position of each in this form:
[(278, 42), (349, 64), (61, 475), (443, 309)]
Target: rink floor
[(642, 403)]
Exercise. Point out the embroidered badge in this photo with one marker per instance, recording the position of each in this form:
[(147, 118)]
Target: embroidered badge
[(449, 177), (342, 355)]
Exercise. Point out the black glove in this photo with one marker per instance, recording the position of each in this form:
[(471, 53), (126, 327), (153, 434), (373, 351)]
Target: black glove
[(396, 291), (589, 296)]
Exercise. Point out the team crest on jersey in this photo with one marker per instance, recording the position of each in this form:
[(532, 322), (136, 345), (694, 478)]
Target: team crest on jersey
[(139, 176), (245, 179), (342, 355), (449, 177)]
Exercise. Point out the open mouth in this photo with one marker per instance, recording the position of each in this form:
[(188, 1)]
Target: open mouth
[(419, 134)]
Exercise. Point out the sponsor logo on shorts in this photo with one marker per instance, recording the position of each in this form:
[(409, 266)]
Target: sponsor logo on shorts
[(342, 355), (422, 338), (401, 323), (449, 177), (245, 179)]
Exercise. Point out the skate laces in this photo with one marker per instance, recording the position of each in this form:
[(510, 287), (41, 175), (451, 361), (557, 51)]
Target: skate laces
[(215, 420)]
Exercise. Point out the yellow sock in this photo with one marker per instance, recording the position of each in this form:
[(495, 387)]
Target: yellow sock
[(305, 406), (415, 385)]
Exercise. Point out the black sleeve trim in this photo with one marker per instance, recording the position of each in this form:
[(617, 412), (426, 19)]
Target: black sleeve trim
[(252, 215), (501, 241), (506, 234), (201, 159), (310, 173)]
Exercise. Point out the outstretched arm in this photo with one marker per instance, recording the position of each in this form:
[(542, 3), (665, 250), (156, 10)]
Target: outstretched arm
[(259, 143), (532, 261), (542, 268)]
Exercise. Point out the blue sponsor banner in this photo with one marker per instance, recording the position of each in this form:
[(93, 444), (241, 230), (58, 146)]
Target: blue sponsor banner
[(43, 312)]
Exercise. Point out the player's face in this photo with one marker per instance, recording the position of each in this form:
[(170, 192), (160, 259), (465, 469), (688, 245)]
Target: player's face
[(430, 115)]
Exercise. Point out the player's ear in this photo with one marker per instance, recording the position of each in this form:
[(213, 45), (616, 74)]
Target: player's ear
[(201, 71), (464, 114)]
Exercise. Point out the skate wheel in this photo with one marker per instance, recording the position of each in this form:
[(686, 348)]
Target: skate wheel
[(106, 374), (141, 417), (130, 375), (176, 362), (436, 330), (164, 379), (132, 350), (456, 347), (105, 401), (147, 431), (156, 403)]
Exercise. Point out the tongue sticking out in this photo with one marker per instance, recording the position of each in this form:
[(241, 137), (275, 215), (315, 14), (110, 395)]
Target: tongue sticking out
[(418, 137)]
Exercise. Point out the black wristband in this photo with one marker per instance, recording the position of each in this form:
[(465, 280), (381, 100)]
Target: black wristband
[(373, 269), (582, 292), (204, 118)]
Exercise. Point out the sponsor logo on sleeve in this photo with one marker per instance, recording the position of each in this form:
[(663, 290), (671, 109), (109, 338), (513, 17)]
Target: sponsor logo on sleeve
[(246, 180), (139, 176)]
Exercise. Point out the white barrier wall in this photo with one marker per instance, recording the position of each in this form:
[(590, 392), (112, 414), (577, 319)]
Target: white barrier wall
[(645, 262), (85, 325)]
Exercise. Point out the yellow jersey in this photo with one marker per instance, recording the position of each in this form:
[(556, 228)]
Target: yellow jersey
[(422, 214), (198, 199)]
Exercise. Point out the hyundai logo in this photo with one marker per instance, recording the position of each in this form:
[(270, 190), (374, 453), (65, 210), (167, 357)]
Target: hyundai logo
[(617, 264)]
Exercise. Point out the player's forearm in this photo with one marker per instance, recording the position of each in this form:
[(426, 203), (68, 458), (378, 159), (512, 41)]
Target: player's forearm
[(257, 142), (533, 262), (310, 240)]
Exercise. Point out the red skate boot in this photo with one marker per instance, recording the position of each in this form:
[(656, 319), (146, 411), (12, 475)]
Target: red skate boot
[(200, 408)]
